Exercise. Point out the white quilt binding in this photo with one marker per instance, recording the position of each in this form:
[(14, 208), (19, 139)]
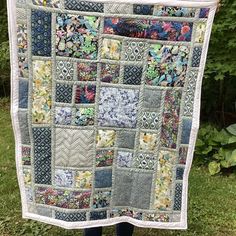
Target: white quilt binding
[(11, 7)]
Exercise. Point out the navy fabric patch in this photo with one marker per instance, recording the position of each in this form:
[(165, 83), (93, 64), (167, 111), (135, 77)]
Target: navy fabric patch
[(103, 178), (98, 215), (197, 52), (23, 93), (41, 33), (178, 197), (187, 125), (143, 9), (133, 75), (70, 217), (42, 155), (63, 93), (84, 6)]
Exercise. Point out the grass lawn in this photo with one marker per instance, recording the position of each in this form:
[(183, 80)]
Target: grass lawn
[(212, 200)]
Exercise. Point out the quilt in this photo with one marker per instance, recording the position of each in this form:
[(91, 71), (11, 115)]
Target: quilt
[(105, 101)]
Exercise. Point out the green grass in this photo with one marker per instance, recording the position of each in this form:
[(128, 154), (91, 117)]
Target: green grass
[(212, 200)]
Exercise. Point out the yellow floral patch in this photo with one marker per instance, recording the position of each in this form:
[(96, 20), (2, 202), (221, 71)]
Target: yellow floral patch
[(148, 141), (111, 49), (164, 180), (106, 138), (41, 95), (83, 179)]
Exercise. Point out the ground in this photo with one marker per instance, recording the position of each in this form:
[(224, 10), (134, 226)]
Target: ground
[(211, 207)]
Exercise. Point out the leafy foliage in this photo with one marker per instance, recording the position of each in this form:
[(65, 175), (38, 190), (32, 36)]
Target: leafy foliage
[(218, 96), (216, 148), (4, 55)]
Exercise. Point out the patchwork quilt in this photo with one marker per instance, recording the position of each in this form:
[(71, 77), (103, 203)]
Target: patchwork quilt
[(105, 100)]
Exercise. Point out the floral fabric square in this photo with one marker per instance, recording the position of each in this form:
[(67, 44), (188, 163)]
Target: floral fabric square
[(23, 67), (83, 179), (200, 32), (26, 155), (110, 73), (87, 71), (77, 36), (85, 93), (124, 159), (104, 158), (64, 178), (84, 116), (105, 138), (22, 38), (63, 115), (118, 107), (148, 141), (167, 65), (174, 11), (111, 49), (27, 176), (42, 78), (101, 199)]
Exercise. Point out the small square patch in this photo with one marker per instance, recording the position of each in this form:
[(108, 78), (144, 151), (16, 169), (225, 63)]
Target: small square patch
[(87, 71), (133, 75), (63, 115), (150, 120), (104, 158), (64, 70), (111, 49), (134, 51), (64, 178), (124, 159), (85, 93), (83, 179), (166, 70), (77, 36), (101, 199), (126, 139), (105, 138), (64, 93), (110, 73), (84, 116), (145, 161), (103, 178), (118, 107), (148, 141), (152, 98)]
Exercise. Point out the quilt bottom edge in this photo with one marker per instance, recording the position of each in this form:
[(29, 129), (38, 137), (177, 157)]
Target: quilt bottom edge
[(181, 225)]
